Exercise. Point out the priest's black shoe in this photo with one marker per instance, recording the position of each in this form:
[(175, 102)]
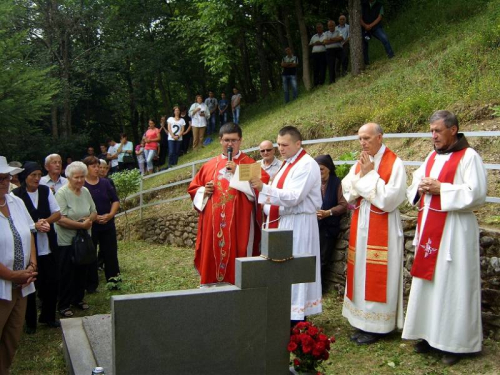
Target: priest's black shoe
[(366, 338), (356, 334), (450, 359), (422, 347)]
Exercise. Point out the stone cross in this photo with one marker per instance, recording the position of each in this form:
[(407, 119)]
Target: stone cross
[(242, 329), (277, 273)]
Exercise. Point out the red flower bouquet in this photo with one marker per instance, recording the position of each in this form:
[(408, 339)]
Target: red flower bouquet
[(310, 347)]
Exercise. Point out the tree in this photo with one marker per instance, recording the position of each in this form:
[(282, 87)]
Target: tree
[(356, 41), (304, 39)]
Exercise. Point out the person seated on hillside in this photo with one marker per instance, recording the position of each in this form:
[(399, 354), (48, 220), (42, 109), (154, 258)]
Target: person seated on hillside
[(220, 239), (372, 12)]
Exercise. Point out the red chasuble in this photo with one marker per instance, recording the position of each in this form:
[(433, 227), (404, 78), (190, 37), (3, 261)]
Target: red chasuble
[(224, 224), (430, 239), (378, 240)]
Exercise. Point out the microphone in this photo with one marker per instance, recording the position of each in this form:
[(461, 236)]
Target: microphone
[(230, 153)]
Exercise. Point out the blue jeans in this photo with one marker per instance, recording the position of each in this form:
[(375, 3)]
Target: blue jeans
[(380, 34), (173, 152), (149, 155), (223, 118), (236, 115), (212, 121), (287, 82)]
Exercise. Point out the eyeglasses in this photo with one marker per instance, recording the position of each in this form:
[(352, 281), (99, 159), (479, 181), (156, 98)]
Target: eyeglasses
[(5, 178), (232, 141), (266, 150)]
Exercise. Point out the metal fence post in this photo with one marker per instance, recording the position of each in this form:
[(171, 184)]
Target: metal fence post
[(140, 198), (193, 170)]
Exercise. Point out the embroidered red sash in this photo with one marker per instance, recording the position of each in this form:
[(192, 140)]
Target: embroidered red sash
[(430, 239), (274, 212), (377, 245)]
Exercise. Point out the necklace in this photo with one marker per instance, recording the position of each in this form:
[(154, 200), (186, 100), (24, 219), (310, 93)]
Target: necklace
[(4, 203)]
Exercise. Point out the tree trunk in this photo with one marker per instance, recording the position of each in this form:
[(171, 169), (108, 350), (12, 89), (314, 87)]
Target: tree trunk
[(53, 119), (261, 53), (163, 92), (248, 86), (356, 41), (279, 28), (304, 39), (66, 116), (286, 20)]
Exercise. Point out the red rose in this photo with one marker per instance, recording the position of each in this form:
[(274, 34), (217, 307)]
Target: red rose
[(326, 355), (307, 348), (332, 339), (295, 331), (296, 362), (312, 331), (292, 346), (302, 325), (321, 346), (306, 340), (294, 338), (322, 337)]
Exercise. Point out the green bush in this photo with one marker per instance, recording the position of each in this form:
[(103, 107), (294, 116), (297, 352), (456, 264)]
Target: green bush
[(126, 183)]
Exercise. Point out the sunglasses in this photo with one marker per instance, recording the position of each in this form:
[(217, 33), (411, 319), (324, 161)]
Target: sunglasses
[(266, 150)]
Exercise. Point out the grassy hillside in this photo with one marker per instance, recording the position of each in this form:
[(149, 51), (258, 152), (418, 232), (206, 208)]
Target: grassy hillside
[(447, 57)]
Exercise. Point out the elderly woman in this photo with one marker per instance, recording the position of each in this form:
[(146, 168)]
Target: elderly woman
[(103, 230), (104, 170), (333, 207), (77, 212), (44, 211), (18, 267)]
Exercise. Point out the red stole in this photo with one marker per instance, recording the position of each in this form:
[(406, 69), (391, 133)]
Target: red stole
[(426, 257), (377, 245), (274, 211)]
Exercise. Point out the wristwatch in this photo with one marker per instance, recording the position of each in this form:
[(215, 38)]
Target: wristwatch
[(331, 213)]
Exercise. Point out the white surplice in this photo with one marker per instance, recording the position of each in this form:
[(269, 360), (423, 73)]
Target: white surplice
[(371, 316), (299, 199), (447, 310)]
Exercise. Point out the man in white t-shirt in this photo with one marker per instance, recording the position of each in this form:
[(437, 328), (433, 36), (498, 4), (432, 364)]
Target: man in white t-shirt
[(112, 155), (199, 114), (319, 55)]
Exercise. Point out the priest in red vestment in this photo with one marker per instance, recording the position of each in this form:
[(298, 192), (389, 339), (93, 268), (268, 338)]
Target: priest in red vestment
[(229, 222)]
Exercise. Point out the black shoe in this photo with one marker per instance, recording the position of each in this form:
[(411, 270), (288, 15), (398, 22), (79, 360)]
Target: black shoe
[(450, 359), (356, 334), (367, 338), (50, 323), (30, 330), (422, 347)]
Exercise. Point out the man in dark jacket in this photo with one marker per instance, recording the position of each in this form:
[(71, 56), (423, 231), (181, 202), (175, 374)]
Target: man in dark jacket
[(372, 12)]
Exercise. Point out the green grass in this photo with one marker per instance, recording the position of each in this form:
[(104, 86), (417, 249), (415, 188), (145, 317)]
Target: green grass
[(151, 268)]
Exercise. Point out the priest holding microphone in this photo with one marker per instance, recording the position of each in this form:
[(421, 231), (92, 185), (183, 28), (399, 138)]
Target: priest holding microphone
[(229, 224)]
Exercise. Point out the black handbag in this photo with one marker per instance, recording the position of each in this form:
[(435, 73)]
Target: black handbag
[(128, 159), (84, 252)]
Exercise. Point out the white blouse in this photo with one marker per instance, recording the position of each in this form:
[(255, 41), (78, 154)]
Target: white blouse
[(24, 225)]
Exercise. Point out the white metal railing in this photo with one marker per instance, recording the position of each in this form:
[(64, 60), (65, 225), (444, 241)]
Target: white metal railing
[(193, 165)]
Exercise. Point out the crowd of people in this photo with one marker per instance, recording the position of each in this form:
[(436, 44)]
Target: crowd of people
[(330, 49), (39, 218), (304, 195)]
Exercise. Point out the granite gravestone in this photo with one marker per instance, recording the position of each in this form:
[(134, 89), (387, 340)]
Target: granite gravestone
[(242, 329)]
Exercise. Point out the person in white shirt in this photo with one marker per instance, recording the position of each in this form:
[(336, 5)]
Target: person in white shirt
[(291, 202), (344, 30), (319, 55), (112, 155), (333, 43), (54, 180), (125, 153), (199, 114), (270, 163), (44, 210), (176, 125)]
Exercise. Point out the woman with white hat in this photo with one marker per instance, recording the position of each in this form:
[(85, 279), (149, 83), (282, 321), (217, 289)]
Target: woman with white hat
[(18, 267)]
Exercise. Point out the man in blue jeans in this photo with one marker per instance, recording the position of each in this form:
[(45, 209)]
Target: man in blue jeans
[(372, 12), (289, 75)]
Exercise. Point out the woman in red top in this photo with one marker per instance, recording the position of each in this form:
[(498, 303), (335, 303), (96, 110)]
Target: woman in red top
[(151, 138)]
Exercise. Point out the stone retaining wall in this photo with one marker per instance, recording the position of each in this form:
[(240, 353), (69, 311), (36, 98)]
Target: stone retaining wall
[(180, 230)]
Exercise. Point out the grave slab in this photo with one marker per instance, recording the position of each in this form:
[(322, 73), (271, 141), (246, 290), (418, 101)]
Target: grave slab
[(204, 331)]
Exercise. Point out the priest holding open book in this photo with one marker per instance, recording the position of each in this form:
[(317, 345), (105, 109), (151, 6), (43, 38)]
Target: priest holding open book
[(229, 222)]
